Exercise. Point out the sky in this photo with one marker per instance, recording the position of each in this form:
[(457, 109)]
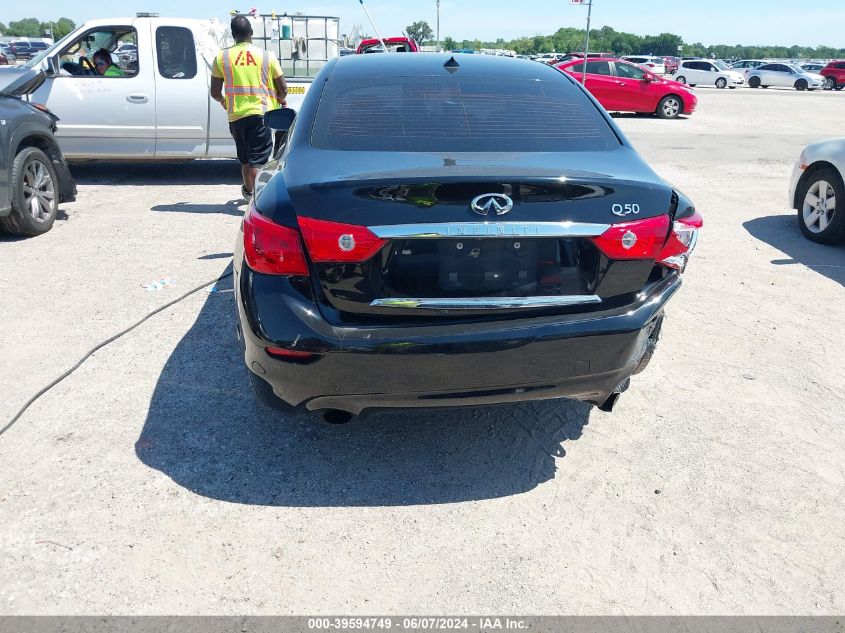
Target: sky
[(708, 21)]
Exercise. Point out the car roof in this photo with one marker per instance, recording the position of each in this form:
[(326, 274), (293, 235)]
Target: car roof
[(399, 64)]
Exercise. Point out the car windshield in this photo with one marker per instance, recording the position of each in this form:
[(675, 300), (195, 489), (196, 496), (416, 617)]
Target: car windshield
[(36, 59), (458, 114), (794, 68), (721, 65)]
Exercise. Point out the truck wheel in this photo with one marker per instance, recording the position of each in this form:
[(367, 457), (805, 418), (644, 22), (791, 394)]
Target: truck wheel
[(819, 215), (35, 199)]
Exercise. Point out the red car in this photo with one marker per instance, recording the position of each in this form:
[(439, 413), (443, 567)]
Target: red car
[(672, 64), (834, 75), (621, 86), (394, 45)]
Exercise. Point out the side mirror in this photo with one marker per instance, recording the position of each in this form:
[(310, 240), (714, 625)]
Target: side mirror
[(649, 77), (280, 120), (50, 66)]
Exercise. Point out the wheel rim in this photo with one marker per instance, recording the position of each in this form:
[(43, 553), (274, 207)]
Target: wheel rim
[(819, 206), (682, 80), (671, 107), (829, 83), (721, 83), (38, 191)]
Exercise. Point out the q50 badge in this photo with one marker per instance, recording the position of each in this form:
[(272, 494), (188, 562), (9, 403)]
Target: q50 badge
[(625, 209)]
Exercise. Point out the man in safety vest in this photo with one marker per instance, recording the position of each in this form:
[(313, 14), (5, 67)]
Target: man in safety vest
[(248, 81)]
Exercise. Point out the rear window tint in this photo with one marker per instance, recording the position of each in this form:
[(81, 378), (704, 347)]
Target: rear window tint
[(458, 114)]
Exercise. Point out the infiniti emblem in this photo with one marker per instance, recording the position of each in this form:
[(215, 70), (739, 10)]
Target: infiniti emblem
[(497, 202)]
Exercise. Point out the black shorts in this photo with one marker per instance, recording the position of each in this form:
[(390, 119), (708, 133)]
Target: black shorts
[(253, 140)]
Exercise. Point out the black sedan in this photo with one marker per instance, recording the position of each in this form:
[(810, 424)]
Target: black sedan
[(451, 231), (34, 177)]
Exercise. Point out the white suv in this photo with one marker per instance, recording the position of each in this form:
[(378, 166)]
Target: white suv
[(707, 73), (657, 65)]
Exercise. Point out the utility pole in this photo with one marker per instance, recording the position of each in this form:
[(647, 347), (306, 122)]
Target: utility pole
[(587, 43), (438, 26)]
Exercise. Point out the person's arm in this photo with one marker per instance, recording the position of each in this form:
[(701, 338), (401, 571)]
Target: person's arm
[(279, 82), (216, 88), (281, 90)]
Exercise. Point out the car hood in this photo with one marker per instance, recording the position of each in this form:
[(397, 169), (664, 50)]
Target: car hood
[(18, 80)]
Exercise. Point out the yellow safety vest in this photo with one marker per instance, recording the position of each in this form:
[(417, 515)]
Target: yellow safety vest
[(246, 81)]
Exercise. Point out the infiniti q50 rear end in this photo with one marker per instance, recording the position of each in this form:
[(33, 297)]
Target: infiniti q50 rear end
[(454, 231)]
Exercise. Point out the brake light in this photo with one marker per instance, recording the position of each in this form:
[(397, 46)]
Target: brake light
[(291, 355), (337, 242), (640, 239), (681, 242), (270, 248)]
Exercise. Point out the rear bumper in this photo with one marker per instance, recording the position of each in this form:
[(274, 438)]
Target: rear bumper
[(584, 357)]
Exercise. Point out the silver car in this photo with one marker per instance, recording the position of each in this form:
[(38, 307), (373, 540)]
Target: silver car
[(783, 75)]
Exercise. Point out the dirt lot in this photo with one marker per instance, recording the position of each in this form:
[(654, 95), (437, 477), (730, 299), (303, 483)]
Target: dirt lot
[(150, 481)]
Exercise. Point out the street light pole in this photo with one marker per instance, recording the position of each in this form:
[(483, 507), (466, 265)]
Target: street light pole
[(587, 43), (438, 26)]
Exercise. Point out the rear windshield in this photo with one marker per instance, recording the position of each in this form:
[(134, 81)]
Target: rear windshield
[(458, 114)]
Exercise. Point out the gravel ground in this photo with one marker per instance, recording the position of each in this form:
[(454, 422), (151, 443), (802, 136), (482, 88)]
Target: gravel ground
[(151, 482)]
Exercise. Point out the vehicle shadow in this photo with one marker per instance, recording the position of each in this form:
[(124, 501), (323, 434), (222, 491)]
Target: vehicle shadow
[(232, 207), (205, 431), (158, 173), (782, 232)]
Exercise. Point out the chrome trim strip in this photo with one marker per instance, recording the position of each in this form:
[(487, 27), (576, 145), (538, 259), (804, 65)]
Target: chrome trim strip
[(488, 229), (486, 303)]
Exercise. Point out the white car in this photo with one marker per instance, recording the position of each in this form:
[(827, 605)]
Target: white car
[(707, 73), (746, 64), (656, 65), (783, 75), (817, 191)]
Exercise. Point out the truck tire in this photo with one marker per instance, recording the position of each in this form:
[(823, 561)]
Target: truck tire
[(35, 194)]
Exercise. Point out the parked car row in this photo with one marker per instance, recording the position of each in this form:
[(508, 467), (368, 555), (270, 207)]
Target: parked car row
[(21, 50)]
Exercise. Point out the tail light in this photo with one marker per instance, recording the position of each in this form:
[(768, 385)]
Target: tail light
[(648, 239), (681, 242), (640, 239), (337, 242), (270, 248)]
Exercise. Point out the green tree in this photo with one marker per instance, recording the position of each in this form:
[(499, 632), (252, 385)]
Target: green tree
[(449, 44), (419, 31), (28, 27), (62, 27), (3, 29)]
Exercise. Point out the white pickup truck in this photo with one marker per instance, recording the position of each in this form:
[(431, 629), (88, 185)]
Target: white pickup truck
[(160, 107)]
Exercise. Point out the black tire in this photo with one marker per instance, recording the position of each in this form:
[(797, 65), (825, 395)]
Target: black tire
[(670, 107), (838, 88), (721, 83), (681, 79), (801, 85), (22, 221), (754, 82), (733, 87), (764, 86), (834, 232)]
